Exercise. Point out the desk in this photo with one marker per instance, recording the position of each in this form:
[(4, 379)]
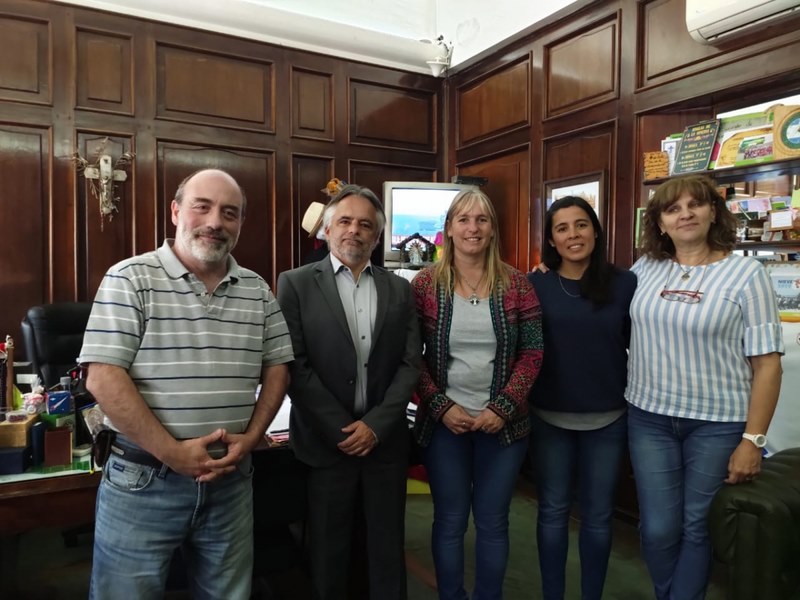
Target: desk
[(58, 502)]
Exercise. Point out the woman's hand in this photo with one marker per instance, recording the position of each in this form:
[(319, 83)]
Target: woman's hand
[(488, 422), (745, 463), (457, 420)]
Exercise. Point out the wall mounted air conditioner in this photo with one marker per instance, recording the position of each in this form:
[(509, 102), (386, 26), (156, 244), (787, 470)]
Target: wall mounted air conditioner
[(711, 21)]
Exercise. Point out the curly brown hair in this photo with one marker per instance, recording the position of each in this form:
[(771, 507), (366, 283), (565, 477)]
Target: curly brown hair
[(721, 235)]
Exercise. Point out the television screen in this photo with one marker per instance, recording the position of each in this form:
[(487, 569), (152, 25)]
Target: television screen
[(416, 207)]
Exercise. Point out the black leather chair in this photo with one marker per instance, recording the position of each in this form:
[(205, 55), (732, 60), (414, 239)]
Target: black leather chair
[(53, 335), (755, 531)]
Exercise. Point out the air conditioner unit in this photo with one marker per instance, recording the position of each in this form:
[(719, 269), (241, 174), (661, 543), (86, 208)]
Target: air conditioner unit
[(711, 21)]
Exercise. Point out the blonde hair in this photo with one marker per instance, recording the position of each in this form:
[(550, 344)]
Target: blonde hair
[(444, 273)]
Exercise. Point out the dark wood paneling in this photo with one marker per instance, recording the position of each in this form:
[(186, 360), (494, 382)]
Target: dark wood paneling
[(25, 64), (310, 174), (103, 242), (509, 190), (669, 54), (373, 175), (586, 151), (255, 172), (583, 70), (105, 72), (312, 104), (25, 156), (382, 115), (495, 104), (667, 44), (205, 87)]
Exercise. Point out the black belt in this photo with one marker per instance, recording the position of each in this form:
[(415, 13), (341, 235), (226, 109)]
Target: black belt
[(121, 449)]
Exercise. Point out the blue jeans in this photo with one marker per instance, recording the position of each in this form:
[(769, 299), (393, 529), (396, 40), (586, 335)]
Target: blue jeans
[(562, 458), (471, 470), (679, 464), (144, 514)]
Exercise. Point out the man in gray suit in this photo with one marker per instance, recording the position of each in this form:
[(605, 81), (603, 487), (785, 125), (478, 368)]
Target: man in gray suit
[(357, 353)]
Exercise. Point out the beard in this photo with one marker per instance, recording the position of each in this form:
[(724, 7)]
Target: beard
[(204, 250), (349, 253)]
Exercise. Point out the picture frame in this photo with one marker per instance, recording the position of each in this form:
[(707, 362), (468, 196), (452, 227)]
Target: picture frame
[(589, 186)]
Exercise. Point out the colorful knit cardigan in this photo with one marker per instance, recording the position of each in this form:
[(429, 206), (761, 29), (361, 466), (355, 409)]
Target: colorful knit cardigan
[(517, 322)]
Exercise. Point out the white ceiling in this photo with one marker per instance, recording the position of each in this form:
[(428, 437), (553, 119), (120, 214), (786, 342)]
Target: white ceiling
[(385, 32)]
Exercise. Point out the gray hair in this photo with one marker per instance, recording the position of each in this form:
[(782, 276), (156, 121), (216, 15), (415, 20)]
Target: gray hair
[(355, 190)]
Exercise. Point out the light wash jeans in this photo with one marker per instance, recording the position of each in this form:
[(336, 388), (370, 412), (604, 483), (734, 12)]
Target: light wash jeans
[(679, 464), (566, 459), (143, 515), (471, 470)]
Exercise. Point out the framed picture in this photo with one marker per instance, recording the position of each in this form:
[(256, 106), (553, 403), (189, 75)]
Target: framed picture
[(670, 146), (590, 187)]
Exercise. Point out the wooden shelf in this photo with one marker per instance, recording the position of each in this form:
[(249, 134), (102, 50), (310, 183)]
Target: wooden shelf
[(781, 245), (746, 173)]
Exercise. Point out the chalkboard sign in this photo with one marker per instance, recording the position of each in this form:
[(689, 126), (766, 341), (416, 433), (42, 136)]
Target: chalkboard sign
[(696, 147)]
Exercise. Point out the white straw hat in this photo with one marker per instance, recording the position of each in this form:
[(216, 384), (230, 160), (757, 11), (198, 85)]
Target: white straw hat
[(312, 220)]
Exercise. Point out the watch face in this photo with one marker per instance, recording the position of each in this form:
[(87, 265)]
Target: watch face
[(759, 439)]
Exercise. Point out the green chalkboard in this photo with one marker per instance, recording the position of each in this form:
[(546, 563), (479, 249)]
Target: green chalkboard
[(696, 147)]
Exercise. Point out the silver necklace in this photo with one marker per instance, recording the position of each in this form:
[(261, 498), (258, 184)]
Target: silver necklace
[(688, 272), (473, 299), (563, 289)]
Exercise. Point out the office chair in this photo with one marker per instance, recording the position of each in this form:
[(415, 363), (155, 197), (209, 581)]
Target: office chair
[(53, 335)]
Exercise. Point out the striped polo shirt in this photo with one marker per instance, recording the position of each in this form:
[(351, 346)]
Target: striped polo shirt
[(195, 357), (691, 360)]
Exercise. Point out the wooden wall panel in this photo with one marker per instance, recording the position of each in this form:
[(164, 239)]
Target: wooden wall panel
[(25, 156), (307, 172), (495, 104), (312, 104), (206, 87), (105, 72), (372, 175), (509, 190), (667, 53), (25, 48), (102, 242), (382, 115), (583, 70)]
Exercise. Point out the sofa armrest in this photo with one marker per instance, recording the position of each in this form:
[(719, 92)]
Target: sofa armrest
[(755, 530)]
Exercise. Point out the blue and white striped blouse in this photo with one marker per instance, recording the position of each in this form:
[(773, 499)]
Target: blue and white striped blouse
[(691, 360)]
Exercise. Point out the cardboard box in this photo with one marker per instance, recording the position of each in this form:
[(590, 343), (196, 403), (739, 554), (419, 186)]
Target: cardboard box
[(17, 435)]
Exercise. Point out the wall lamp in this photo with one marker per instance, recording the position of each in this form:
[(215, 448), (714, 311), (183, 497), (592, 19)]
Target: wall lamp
[(441, 62)]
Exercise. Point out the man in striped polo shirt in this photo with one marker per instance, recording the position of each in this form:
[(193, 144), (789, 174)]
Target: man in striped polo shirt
[(177, 343)]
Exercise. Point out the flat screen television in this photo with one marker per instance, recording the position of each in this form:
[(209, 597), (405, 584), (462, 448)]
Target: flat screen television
[(415, 207)]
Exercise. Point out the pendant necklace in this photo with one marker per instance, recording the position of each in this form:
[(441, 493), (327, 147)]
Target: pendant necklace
[(563, 289), (473, 299), (688, 272)]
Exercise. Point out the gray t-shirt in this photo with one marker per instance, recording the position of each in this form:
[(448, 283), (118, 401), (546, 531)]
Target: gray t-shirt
[(473, 346)]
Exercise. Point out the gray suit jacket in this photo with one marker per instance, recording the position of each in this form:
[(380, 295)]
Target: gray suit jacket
[(323, 374)]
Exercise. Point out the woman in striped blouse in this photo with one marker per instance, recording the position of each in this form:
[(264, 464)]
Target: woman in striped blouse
[(703, 377)]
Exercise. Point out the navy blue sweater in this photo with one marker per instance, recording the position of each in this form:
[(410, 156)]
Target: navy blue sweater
[(585, 347)]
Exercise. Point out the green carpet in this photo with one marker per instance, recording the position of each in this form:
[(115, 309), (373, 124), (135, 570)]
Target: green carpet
[(52, 572)]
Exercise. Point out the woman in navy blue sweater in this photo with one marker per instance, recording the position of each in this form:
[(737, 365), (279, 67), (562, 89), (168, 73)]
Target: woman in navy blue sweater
[(578, 403)]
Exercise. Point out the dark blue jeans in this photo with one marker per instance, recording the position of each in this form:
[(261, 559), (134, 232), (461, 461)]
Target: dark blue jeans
[(471, 470), (564, 458), (679, 464)]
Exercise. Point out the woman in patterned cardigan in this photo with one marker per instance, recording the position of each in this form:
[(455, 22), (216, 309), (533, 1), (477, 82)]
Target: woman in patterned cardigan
[(481, 325)]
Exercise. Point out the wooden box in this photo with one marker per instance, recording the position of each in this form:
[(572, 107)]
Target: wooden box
[(17, 435)]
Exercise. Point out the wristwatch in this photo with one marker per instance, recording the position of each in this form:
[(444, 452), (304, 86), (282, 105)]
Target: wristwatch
[(759, 439)]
